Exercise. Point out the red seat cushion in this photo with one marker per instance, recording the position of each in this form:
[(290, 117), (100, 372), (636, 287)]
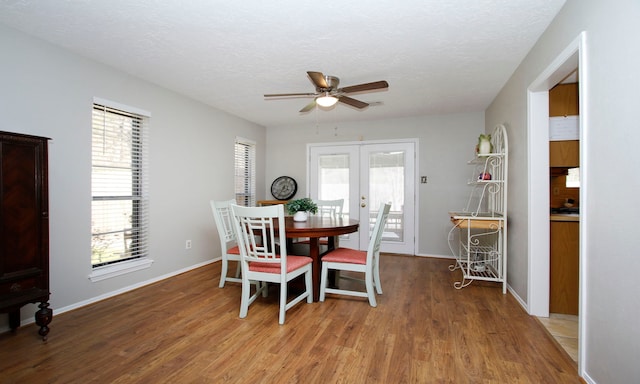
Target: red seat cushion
[(293, 263), (234, 250), (346, 255)]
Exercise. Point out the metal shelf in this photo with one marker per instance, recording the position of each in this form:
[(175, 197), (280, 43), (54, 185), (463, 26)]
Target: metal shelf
[(478, 237)]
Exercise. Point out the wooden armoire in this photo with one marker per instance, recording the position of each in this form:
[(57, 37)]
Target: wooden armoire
[(24, 228)]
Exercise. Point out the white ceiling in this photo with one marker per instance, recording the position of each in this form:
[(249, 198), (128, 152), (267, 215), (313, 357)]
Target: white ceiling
[(439, 56)]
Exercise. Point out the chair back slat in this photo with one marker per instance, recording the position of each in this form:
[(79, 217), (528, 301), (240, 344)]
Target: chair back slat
[(257, 234)]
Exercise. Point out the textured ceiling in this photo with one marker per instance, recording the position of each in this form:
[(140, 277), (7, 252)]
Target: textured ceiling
[(438, 56)]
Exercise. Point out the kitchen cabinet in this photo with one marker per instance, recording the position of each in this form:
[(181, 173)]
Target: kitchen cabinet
[(563, 100), (564, 153), (478, 238), (24, 228), (564, 268)]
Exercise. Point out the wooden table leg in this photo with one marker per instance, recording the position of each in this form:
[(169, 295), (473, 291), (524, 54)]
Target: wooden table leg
[(314, 253), (331, 276)]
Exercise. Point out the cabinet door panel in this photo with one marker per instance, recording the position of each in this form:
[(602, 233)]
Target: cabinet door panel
[(563, 100), (565, 253), (20, 208), (564, 153)]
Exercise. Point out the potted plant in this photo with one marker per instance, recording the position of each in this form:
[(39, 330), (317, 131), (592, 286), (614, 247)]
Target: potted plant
[(300, 208), (484, 146)]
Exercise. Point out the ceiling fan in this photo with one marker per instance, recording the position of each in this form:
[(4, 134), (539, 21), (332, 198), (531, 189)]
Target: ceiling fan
[(327, 92)]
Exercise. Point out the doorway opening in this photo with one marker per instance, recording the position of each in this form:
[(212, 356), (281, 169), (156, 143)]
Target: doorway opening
[(573, 57)]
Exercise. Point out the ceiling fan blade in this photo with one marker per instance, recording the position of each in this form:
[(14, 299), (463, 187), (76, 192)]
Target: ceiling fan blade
[(318, 79), (365, 87), (289, 94), (309, 106), (353, 102)]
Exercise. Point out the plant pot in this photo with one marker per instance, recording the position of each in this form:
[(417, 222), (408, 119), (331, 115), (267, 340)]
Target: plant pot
[(484, 148), (300, 216)]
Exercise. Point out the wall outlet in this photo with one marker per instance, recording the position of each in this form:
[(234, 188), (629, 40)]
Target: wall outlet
[(423, 179), (187, 244)]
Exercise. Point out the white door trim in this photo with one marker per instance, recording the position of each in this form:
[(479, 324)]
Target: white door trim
[(416, 170), (573, 56)]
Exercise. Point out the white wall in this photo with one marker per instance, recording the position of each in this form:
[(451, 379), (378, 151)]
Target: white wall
[(446, 143), (49, 92), (611, 341)]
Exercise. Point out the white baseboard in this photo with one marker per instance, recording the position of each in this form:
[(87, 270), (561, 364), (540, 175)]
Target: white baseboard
[(436, 256), (522, 303)]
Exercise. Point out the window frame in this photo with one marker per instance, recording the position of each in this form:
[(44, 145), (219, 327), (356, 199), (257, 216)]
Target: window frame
[(137, 256), (572, 180), (245, 172)]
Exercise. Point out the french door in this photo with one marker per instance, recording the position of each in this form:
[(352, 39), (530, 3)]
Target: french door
[(365, 175)]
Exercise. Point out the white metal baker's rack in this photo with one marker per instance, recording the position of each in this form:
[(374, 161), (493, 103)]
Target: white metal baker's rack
[(478, 238)]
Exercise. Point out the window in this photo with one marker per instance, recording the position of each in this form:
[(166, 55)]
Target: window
[(119, 207), (245, 166), (573, 178)]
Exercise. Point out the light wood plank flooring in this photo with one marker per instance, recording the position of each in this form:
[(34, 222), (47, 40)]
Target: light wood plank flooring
[(186, 330), (564, 329)]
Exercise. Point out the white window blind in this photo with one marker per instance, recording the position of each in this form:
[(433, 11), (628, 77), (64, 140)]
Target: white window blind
[(119, 187), (245, 172)]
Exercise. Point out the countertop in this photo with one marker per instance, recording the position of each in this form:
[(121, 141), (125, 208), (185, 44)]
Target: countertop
[(564, 217)]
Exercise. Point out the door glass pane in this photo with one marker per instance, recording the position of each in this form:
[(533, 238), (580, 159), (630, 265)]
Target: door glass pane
[(333, 178), (386, 184)]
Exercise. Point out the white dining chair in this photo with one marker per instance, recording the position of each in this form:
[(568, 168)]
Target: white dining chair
[(230, 251), (353, 260), (326, 208), (263, 261), (331, 208)]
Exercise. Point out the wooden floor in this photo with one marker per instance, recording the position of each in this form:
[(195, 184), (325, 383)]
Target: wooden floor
[(186, 330), (564, 329)]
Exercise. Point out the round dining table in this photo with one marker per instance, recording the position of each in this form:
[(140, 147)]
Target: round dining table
[(314, 228)]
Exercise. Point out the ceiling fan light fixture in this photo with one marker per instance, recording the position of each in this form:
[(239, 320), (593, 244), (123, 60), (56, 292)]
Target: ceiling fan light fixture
[(326, 100)]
